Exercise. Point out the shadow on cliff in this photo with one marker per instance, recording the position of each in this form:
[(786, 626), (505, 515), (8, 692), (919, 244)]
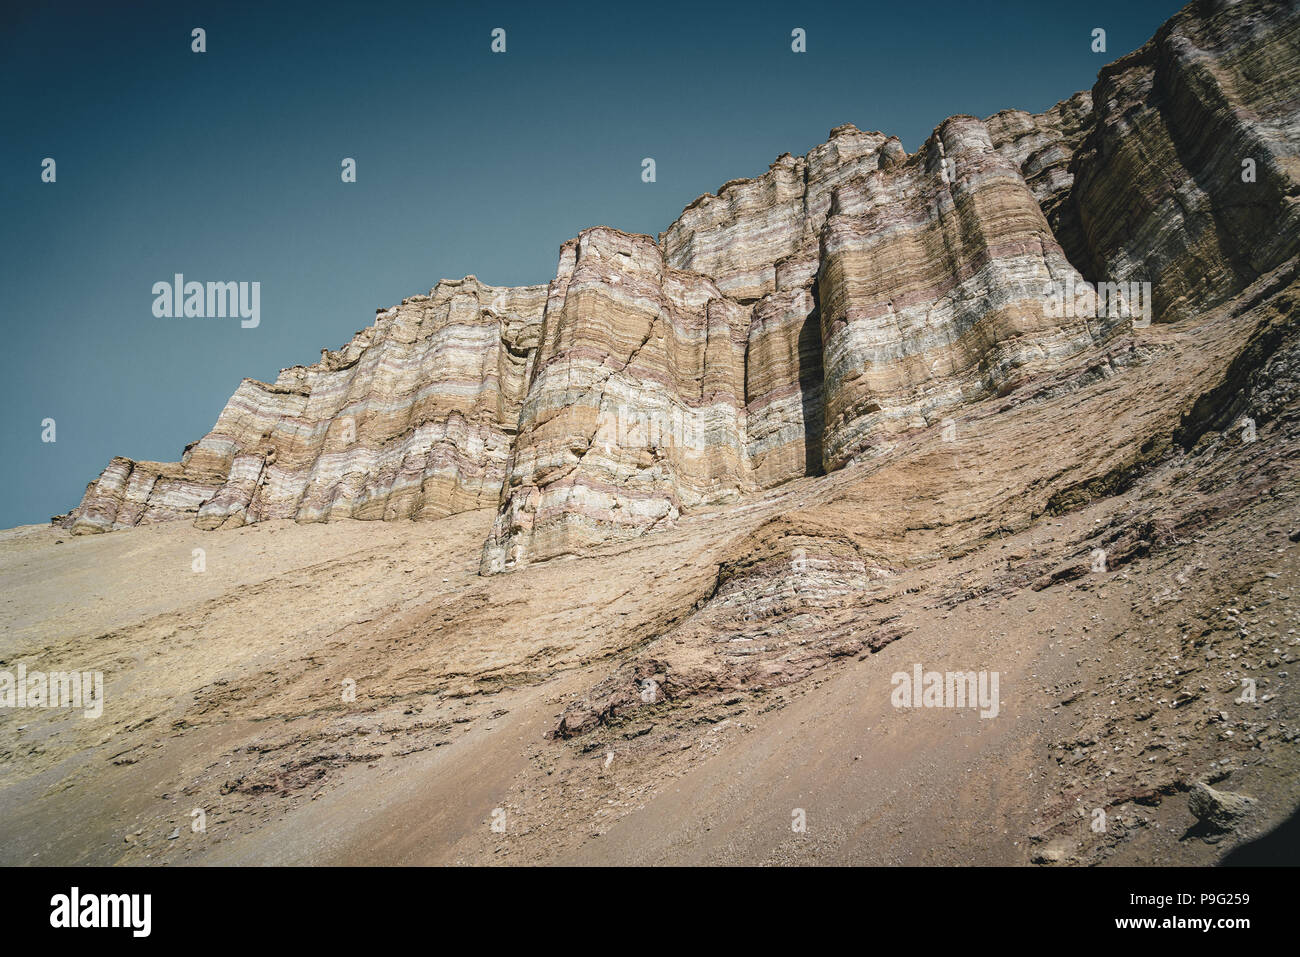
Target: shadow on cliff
[(810, 388)]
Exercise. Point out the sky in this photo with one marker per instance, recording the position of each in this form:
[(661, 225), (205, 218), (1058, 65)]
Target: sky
[(225, 166)]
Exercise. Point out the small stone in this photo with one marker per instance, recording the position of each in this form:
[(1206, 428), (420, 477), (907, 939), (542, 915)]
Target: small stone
[(1218, 810)]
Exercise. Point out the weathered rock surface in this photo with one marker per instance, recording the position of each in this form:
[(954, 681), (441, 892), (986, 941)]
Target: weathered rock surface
[(411, 419), (635, 410), (932, 291), (1161, 188), (1218, 810), (741, 235), (785, 327), (672, 699)]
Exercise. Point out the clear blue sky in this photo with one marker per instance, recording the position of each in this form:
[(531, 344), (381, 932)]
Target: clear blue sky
[(225, 166)]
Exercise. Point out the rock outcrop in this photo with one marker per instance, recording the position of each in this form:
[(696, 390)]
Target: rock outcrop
[(1187, 175), (635, 410), (932, 291), (870, 446), (788, 326), (413, 418), (1218, 810)]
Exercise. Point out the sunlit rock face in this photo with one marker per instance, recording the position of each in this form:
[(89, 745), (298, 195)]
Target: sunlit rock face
[(740, 235), (785, 327), (1043, 145), (636, 407), (931, 287), (411, 419)]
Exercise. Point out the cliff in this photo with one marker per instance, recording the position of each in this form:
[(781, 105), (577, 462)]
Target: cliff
[(788, 326)]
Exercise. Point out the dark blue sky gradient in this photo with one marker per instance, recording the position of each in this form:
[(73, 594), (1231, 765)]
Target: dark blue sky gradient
[(225, 166)]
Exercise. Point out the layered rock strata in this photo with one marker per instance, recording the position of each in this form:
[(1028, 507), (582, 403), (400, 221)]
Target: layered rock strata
[(1189, 174), (786, 326), (411, 419), (931, 286), (635, 410)]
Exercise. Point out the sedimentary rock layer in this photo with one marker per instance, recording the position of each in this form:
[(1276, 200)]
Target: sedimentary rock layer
[(411, 419), (635, 410), (739, 235), (786, 326), (1189, 174), (932, 291)]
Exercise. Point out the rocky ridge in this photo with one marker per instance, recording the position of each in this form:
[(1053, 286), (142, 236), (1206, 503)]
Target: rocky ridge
[(787, 326)]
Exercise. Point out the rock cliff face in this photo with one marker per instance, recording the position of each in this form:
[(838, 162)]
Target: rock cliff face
[(931, 285), (411, 419), (1187, 173), (636, 406), (789, 325)]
